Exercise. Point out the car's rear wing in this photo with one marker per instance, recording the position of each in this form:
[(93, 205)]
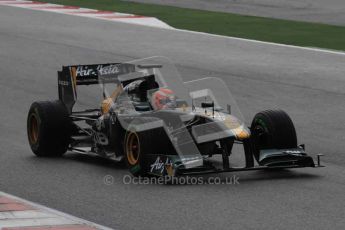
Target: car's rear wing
[(72, 76)]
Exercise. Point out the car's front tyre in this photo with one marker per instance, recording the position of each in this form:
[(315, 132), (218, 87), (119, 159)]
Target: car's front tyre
[(272, 129)]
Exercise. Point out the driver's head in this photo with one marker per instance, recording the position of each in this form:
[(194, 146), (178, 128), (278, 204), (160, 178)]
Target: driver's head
[(163, 99)]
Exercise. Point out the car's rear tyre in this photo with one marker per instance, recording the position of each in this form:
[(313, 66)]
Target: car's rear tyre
[(48, 128), (272, 129)]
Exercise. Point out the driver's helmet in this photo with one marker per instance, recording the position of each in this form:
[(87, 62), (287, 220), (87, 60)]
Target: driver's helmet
[(163, 98)]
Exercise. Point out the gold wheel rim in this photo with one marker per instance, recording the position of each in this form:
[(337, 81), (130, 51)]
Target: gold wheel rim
[(133, 148), (33, 129)]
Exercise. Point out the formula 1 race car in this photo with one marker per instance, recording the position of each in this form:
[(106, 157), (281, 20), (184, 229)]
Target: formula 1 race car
[(159, 125)]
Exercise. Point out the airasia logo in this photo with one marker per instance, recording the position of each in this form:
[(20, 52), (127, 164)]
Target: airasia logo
[(159, 165), (83, 71)]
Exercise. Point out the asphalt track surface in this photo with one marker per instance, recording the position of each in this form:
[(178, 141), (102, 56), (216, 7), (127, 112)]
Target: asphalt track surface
[(322, 11), (310, 85)]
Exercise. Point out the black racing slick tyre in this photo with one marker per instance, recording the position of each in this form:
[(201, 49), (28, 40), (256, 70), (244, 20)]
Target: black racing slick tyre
[(272, 129), (48, 128)]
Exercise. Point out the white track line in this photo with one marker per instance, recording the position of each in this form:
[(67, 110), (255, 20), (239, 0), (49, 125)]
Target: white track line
[(266, 43)]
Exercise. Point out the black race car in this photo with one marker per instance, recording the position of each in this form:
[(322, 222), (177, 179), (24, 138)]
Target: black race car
[(158, 124)]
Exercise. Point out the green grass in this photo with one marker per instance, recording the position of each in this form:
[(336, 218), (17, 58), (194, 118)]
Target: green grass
[(258, 28)]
